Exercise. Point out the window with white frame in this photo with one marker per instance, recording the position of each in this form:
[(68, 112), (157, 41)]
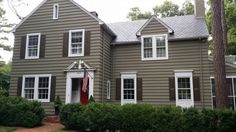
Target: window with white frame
[(32, 46), (55, 11), (128, 88), (154, 47), (231, 83), (36, 87), (108, 89), (184, 89), (76, 42)]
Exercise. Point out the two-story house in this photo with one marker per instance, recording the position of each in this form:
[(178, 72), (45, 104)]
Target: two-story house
[(162, 61)]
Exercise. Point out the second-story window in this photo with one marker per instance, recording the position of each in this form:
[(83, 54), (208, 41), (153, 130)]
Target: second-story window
[(55, 11), (76, 43), (154, 47), (32, 46)]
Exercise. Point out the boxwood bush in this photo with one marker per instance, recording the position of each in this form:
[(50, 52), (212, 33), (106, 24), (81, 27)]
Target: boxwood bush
[(16, 111), (148, 118)]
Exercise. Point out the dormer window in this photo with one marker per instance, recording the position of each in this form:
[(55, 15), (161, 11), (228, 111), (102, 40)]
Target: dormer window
[(55, 11), (154, 47)]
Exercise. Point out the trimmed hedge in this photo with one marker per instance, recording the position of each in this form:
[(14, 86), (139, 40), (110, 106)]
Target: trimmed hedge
[(16, 111), (148, 118)]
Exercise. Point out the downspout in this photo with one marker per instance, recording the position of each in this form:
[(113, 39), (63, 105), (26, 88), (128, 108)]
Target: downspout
[(103, 75), (201, 74)]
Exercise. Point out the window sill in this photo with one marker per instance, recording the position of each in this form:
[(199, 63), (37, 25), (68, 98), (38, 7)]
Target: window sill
[(152, 59), (75, 55), (31, 58)]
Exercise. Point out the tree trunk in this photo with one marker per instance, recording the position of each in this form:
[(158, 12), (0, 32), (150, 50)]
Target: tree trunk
[(224, 27), (218, 55)]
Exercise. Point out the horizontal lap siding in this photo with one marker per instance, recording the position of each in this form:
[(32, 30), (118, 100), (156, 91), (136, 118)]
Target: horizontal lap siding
[(70, 18), (154, 27), (155, 74)]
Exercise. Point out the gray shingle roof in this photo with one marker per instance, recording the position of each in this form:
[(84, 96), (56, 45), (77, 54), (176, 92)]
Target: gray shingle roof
[(185, 27)]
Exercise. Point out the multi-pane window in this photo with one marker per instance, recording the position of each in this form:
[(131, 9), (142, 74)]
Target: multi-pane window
[(154, 47), (161, 46), (147, 47), (128, 88), (55, 11), (184, 89), (36, 87), (231, 88), (32, 46), (76, 43)]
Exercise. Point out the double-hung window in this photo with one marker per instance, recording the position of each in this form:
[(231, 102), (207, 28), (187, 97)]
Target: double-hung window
[(36, 87), (32, 46), (76, 42), (154, 47), (184, 89), (231, 89), (128, 88)]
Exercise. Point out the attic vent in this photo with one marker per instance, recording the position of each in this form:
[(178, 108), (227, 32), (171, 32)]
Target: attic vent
[(94, 13), (55, 11)]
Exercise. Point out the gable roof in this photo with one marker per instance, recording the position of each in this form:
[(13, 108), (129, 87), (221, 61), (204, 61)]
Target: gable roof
[(170, 30), (185, 27), (44, 1)]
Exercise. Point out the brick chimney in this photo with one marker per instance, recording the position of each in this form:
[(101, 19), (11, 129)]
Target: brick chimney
[(199, 9)]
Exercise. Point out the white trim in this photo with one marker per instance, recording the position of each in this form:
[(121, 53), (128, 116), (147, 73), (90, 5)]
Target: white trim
[(185, 103), (128, 76), (108, 89), (55, 16), (36, 78), (69, 43), (170, 30), (154, 48), (27, 46), (79, 74), (32, 12)]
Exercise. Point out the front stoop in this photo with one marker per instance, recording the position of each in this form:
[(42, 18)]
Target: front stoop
[(52, 119)]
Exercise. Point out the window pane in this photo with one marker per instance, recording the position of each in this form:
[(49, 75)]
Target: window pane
[(214, 102), (43, 94), (161, 52), (229, 85), (128, 88), (183, 82), (147, 53), (184, 94), (213, 87), (160, 41), (29, 82), (29, 93), (76, 42), (43, 87), (33, 45), (231, 102), (43, 82), (147, 42)]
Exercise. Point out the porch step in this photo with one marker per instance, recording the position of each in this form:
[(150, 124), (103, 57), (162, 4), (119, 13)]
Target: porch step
[(52, 119)]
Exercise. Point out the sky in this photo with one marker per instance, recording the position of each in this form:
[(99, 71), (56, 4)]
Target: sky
[(108, 10)]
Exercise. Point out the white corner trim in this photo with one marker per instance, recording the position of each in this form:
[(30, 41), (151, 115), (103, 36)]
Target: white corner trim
[(31, 13), (170, 30), (154, 47), (108, 89), (69, 43), (27, 46)]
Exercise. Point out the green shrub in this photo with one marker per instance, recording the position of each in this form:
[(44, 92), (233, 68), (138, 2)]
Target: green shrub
[(16, 111), (4, 92)]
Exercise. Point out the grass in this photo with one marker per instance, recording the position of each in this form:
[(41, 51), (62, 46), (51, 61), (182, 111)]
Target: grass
[(6, 129)]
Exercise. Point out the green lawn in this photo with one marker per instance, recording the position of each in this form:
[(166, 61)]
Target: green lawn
[(6, 129)]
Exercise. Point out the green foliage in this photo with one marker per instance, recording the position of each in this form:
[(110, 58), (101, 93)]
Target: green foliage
[(5, 70), (168, 8), (58, 102), (4, 92), (136, 14), (16, 111), (91, 99), (143, 117)]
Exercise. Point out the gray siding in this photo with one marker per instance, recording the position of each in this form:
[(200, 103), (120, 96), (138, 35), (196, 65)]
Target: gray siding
[(70, 18), (154, 27), (185, 55)]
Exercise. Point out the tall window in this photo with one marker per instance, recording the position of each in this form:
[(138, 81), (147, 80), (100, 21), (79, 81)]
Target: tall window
[(76, 43), (128, 87), (184, 89), (55, 11), (32, 46), (231, 85), (154, 47), (36, 87)]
